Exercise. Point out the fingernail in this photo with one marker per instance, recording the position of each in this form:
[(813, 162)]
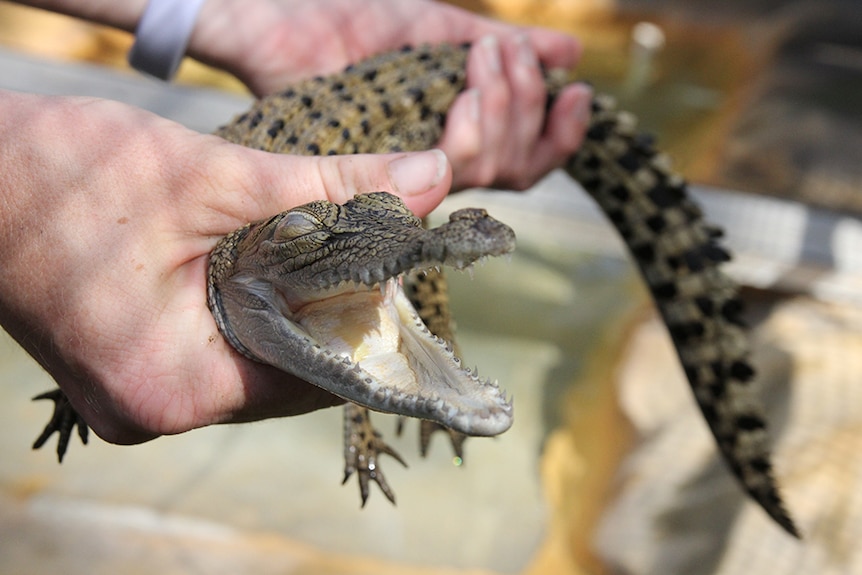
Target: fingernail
[(583, 110), (526, 54), (491, 48), (475, 101), (417, 173)]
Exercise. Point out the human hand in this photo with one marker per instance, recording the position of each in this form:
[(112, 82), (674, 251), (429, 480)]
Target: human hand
[(497, 132), (107, 216)]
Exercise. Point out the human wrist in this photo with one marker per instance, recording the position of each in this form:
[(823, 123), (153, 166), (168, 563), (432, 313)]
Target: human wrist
[(268, 44), (227, 32), (21, 113), (29, 209)]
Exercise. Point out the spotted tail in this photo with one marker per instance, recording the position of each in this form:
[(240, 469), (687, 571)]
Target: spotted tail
[(679, 257)]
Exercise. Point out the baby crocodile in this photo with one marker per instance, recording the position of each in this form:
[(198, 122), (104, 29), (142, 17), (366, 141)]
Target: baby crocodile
[(398, 102)]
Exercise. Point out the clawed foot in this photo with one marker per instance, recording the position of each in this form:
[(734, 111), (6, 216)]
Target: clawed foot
[(362, 446), (427, 428), (63, 421)]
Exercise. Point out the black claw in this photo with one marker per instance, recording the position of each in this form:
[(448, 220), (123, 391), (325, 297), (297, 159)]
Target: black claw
[(63, 421), (363, 488), (363, 447), (429, 427)]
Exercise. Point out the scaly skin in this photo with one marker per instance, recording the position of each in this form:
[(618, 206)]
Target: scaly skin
[(398, 102)]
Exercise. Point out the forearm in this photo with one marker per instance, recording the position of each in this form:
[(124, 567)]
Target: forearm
[(122, 14), (225, 30)]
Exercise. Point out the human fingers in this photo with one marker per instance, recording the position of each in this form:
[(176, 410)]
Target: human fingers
[(525, 117), (247, 185), (564, 130), (497, 133), (476, 124)]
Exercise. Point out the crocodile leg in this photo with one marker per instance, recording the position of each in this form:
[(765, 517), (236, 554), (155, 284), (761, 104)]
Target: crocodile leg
[(63, 421), (363, 446), (427, 428)]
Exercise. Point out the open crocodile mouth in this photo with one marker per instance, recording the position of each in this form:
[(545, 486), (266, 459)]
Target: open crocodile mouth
[(315, 291), (405, 367)]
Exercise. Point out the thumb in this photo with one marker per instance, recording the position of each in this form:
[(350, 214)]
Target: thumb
[(421, 179)]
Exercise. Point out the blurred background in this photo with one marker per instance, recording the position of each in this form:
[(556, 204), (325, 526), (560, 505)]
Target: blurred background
[(609, 467)]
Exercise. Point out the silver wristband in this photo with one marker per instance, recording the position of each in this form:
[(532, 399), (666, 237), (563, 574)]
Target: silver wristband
[(163, 35)]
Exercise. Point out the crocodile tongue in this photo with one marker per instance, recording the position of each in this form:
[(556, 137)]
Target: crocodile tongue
[(380, 331)]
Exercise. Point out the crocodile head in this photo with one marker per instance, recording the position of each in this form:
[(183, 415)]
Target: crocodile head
[(315, 291)]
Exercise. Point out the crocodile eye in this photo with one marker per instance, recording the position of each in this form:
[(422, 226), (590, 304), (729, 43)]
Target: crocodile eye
[(296, 224)]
